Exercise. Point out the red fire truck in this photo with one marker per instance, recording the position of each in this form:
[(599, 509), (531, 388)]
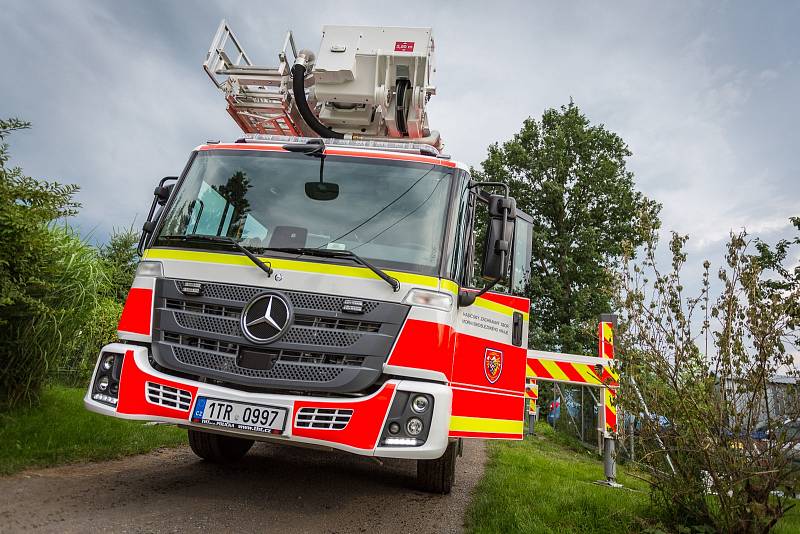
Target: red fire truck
[(313, 281)]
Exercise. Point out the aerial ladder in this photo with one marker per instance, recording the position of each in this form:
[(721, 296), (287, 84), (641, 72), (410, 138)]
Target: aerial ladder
[(368, 83)]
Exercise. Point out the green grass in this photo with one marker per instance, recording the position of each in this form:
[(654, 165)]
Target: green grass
[(546, 484), (61, 430)]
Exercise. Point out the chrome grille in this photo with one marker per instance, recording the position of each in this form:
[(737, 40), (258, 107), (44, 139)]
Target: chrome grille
[(201, 342), (325, 334), (336, 324), (281, 370), (308, 301), (282, 355), (314, 336), (202, 307), (211, 324), (325, 348), (323, 418), (162, 395)]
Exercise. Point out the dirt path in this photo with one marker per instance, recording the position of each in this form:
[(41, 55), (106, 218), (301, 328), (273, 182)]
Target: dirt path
[(274, 489)]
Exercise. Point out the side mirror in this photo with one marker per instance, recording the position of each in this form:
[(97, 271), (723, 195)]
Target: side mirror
[(163, 192), (498, 245), (499, 237)]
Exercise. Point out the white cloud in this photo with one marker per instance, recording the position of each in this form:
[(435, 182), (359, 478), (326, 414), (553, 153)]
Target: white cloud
[(118, 97)]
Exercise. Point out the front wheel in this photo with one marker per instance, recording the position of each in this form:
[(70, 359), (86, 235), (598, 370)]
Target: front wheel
[(217, 448), (438, 476)]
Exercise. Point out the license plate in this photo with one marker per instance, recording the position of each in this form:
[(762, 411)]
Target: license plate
[(239, 415)]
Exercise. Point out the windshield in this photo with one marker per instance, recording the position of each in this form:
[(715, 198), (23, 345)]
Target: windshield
[(391, 213)]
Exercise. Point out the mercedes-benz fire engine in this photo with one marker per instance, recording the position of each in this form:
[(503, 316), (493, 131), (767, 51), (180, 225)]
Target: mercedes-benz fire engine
[(311, 283)]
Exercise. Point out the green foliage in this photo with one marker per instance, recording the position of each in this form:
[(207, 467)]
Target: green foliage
[(61, 430), (544, 484), (707, 469), (572, 178), (60, 298), (120, 260), (32, 267)]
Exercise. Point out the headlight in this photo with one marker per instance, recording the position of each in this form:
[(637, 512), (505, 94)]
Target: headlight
[(414, 427), (102, 384), (105, 388), (419, 404), (429, 299), (150, 268)]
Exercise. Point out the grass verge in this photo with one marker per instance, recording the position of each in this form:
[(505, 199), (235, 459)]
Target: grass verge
[(61, 430), (546, 484)]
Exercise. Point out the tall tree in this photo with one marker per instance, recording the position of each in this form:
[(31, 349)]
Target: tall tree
[(571, 176)]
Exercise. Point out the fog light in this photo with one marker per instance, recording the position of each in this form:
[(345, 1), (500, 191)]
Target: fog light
[(394, 428), (414, 427), (108, 363), (419, 404), (102, 384)]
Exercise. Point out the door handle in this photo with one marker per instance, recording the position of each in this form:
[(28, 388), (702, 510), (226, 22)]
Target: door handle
[(516, 331)]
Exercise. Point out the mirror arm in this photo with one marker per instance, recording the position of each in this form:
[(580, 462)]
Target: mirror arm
[(467, 298), (149, 224)]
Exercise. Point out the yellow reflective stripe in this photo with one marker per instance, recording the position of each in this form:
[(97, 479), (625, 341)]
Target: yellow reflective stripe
[(480, 424), (608, 334), (529, 372), (555, 371), (449, 285), (497, 307), (289, 265), (452, 287), (587, 372), (611, 400)]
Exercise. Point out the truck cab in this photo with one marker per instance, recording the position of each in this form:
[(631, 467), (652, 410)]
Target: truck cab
[(321, 292)]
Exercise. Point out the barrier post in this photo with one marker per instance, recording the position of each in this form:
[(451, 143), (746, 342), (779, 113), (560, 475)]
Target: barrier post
[(608, 323), (532, 394)]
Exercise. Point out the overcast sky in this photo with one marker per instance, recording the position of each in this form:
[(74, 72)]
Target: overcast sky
[(704, 93)]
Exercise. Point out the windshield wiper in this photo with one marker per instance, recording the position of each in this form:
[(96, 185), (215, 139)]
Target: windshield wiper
[(325, 253), (266, 267)]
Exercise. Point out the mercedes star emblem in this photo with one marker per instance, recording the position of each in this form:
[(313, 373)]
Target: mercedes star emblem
[(266, 318)]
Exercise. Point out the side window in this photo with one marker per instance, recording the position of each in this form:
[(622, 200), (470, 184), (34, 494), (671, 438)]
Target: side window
[(521, 262), (461, 224)]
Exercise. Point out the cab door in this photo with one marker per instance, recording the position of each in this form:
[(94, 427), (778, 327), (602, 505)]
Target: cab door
[(489, 362)]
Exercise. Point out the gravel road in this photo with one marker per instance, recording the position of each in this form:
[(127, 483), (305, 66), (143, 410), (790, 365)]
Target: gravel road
[(274, 489)]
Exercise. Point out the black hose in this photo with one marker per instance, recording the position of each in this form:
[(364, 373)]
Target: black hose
[(299, 90)]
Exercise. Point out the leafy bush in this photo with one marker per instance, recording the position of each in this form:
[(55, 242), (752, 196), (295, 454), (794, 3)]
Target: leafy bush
[(705, 366), (120, 259), (31, 301), (60, 297), (116, 261)]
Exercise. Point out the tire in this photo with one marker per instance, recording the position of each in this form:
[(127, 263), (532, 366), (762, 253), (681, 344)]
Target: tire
[(438, 476), (217, 448)]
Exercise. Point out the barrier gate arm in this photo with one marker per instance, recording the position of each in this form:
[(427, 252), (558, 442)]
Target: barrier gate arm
[(572, 369), (581, 370), (597, 371)]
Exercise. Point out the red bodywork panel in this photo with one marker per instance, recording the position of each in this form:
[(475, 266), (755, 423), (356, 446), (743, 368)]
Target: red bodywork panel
[(361, 432), (137, 313), (132, 395), (481, 396)]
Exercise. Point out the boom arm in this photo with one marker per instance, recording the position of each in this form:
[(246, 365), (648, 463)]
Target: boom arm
[(366, 83)]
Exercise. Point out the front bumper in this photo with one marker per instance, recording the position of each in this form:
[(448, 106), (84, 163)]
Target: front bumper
[(360, 436)]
